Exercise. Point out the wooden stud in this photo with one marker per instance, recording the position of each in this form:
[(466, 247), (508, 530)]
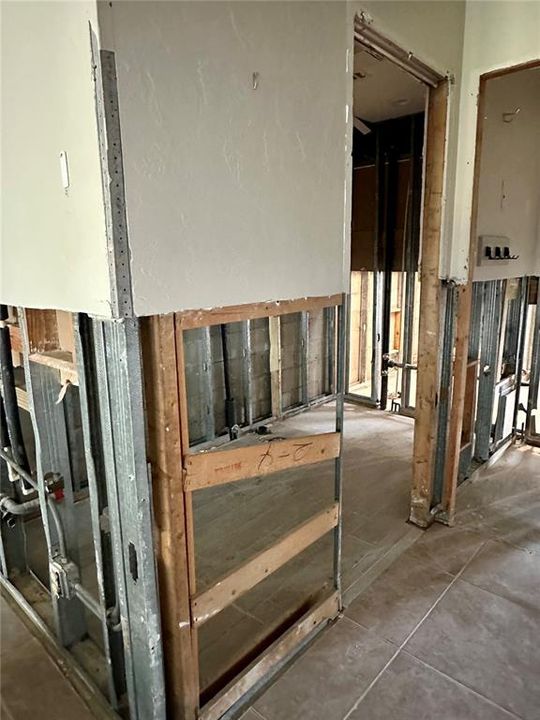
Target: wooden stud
[(469, 403), (184, 432), (42, 330), (425, 428), (273, 657), (274, 331), (66, 338), (232, 586), (461, 361), (459, 385), (59, 360), (16, 339), (208, 469), (189, 319), (165, 455)]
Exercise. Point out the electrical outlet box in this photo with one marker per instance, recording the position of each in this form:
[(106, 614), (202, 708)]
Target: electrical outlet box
[(494, 250), (64, 574)]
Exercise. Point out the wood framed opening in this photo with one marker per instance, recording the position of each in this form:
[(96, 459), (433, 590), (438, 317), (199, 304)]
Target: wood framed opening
[(396, 292), (198, 588)]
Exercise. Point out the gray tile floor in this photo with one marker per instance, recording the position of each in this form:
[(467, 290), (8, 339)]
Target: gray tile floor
[(31, 684), (253, 514), (449, 631)]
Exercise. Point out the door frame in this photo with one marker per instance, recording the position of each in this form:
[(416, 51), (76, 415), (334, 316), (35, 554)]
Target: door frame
[(431, 286)]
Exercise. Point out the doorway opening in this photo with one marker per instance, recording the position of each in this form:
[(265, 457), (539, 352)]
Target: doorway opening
[(388, 141), (387, 186)]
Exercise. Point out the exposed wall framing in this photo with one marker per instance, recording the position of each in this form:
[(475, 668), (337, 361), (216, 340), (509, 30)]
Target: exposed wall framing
[(89, 469), (178, 471), (426, 415), (465, 367), (243, 373)]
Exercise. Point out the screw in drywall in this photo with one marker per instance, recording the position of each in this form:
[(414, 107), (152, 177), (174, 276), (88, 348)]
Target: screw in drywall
[(255, 78)]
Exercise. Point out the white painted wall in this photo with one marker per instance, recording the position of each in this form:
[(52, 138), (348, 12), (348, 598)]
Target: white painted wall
[(234, 193), (53, 246), (497, 35), (509, 182)]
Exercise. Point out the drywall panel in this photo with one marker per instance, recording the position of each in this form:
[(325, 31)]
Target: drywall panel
[(236, 142), (509, 182), (497, 35), (432, 32), (53, 245)]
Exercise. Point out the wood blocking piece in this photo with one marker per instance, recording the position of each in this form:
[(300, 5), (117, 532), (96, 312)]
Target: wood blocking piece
[(208, 469)]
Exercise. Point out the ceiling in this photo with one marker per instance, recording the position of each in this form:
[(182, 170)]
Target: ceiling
[(383, 90)]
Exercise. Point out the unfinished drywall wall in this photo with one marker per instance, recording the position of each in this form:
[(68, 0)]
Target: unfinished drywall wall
[(236, 148), (509, 180), (305, 370), (433, 32), (497, 35), (53, 244)]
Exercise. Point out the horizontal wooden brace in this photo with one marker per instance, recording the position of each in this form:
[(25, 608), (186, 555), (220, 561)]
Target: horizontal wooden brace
[(232, 586), (218, 467), (58, 360), (189, 319), (271, 658)]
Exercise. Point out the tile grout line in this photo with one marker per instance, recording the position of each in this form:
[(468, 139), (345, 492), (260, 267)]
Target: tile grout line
[(524, 606), (375, 570), (363, 627), (457, 682), (415, 628)]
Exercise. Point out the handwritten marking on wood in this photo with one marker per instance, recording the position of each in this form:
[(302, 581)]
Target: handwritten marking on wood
[(224, 466)]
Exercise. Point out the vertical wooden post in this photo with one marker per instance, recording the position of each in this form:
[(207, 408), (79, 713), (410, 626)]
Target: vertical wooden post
[(425, 429), (462, 344), (165, 455), (274, 329), (188, 496), (455, 425)]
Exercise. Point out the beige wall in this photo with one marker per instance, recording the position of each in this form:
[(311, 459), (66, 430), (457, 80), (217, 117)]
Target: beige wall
[(234, 193), (497, 35), (240, 195), (509, 182), (53, 248)]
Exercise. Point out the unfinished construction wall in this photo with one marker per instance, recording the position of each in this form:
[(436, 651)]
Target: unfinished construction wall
[(53, 246), (236, 148), (305, 346), (509, 182), (497, 35)]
